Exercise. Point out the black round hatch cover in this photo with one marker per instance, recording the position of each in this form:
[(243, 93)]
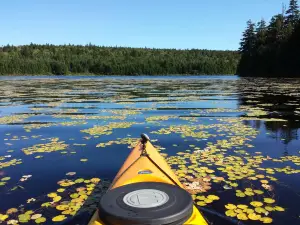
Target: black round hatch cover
[(146, 203)]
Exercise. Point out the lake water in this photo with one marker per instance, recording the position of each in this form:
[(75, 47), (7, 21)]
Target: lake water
[(235, 140)]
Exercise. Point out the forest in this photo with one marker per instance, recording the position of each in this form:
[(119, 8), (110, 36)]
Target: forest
[(272, 49), (50, 59)]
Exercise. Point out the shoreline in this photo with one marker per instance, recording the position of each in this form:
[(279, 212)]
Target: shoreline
[(115, 75)]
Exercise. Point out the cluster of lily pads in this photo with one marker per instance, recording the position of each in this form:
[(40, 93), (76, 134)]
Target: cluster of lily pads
[(68, 199), (220, 160), (107, 129), (52, 146)]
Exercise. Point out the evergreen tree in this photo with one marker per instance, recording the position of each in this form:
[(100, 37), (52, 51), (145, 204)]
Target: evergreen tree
[(292, 13), (91, 59), (276, 29), (261, 34), (277, 48), (249, 38)]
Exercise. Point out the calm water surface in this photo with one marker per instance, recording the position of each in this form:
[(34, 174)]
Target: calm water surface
[(230, 137)]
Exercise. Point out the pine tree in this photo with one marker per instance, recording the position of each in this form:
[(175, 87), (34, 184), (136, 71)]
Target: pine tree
[(276, 29), (292, 13), (249, 37), (261, 33)]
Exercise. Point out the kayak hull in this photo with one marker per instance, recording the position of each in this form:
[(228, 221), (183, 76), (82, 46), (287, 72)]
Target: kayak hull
[(149, 167)]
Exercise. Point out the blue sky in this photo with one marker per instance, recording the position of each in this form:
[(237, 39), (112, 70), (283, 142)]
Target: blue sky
[(205, 24)]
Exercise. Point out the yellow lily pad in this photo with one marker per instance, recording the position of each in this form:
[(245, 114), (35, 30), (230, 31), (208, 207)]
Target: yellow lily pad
[(3, 217), (52, 195), (36, 216), (259, 192), (230, 213), (213, 197), (266, 220), (242, 216), (260, 210), (256, 204), (59, 218), (40, 220), (230, 206), (279, 209), (269, 200), (201, 203), (242, 206), (269, 208), (56, 198), (254, 216), (62, 207)]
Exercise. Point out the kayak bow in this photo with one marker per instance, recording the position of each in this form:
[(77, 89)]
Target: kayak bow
[(146, 191)]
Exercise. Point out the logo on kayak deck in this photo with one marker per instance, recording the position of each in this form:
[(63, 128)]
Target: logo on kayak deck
[(145, 172)]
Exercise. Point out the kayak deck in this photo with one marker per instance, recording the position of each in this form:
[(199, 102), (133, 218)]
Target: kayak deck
[(147, 166)]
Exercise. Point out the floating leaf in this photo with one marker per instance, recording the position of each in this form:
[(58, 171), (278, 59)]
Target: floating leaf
[(259, 192), (11, 211), (230, 213), (3, 217), (24, 218), (239, 211), (29, 212), (74, 195), (5, 179), (260, 210), (95, 180), (269, 200), (269, 208), (242, 216), (60, 190), (264, 181), (201, 203), (62, 207), (46, 204), (67, 212), (56, 198), (59, 218), (254, 216), (80, 180), (36, 216), (230, 206), (249, 211), (208, 200), (242, 206), (213, 197), (249, 193), (266, 220), (279, 209), (12, 222), (40, 220), (52, 195), (240, 194), (201, 197), (256, 204)]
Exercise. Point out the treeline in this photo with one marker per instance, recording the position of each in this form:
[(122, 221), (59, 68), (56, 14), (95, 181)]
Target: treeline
[(273, 49), (90, 59)]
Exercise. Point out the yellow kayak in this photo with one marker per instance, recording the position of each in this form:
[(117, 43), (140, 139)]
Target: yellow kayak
[(146, 191)]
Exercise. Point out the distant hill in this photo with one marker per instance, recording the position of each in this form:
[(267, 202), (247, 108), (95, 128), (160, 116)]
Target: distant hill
[(47, 59)]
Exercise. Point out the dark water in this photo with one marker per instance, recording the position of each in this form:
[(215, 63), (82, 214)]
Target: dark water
[(219, 123)]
